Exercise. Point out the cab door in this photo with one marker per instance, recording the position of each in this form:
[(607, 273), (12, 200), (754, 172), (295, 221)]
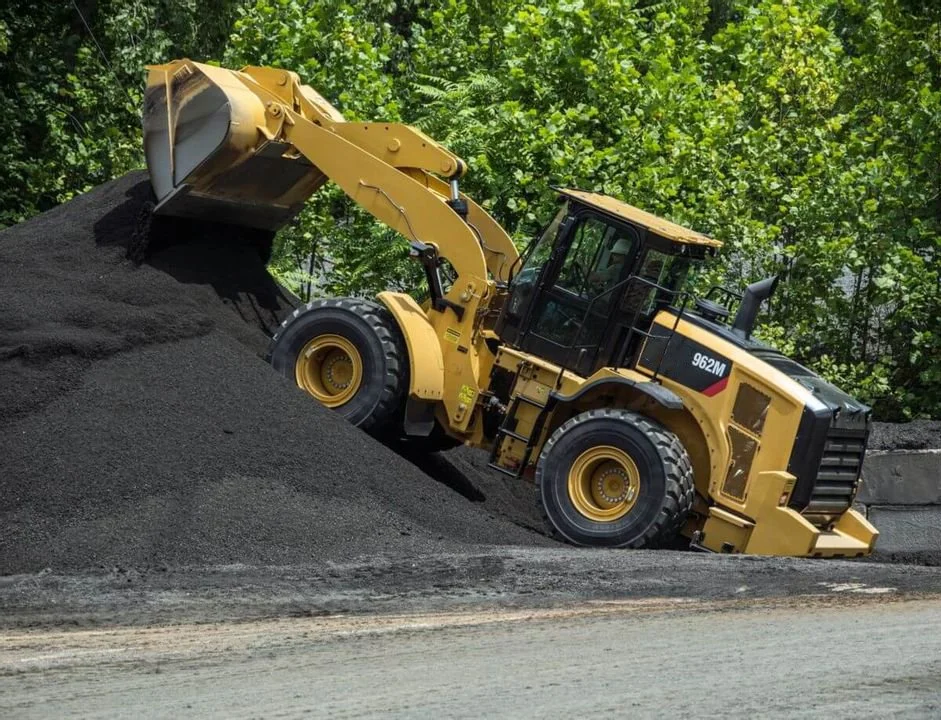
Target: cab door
[(538, 264), (573, 308)]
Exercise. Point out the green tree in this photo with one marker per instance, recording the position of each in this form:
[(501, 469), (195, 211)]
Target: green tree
[(72, 105), (347, 51), (806, 134)]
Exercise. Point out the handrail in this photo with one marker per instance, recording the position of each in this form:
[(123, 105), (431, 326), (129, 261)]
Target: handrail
[(674, 295), (721, 290)]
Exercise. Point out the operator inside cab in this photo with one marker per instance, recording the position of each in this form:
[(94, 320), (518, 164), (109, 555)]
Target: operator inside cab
[(605, 278)]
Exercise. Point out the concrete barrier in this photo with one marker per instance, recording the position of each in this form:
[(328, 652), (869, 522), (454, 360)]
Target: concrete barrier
[(903, 477), (907, 529), (901, 496)]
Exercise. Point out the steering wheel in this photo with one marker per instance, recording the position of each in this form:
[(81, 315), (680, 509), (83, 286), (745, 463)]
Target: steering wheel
[(582, 276)]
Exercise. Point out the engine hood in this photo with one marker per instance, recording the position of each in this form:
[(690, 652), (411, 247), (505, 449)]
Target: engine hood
[(848, 412)]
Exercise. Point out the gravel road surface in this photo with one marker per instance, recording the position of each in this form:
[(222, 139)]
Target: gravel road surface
[(859, 657), (500, 631), (485, 578)]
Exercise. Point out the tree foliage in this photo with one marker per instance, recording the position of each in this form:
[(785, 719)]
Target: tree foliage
[(806, 134), (71, 116)]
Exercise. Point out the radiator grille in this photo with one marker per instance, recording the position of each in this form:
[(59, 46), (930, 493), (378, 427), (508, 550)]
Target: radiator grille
[(838, 475)]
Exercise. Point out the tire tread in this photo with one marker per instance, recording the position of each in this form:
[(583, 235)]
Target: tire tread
[(386, 330), (678, 471)]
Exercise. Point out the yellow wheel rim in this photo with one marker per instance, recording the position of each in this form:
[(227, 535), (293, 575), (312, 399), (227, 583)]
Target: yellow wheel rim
[(330, 368), (604, 483)]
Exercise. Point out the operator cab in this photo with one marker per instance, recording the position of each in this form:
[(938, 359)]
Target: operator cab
[(589, 286)]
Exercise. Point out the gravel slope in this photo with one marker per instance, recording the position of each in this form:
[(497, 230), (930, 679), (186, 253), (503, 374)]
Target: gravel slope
[(139, 426)]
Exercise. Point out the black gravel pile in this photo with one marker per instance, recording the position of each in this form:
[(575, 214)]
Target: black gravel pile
[(70, 298), (914, 435), (140, 428)]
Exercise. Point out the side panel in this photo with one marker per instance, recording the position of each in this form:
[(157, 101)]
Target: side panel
[(749, 412), (426, 364)]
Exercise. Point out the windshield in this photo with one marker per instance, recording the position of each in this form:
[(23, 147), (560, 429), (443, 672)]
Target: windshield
[(541, 250)]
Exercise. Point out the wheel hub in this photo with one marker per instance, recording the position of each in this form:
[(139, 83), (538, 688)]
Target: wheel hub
[(330, 368), (604, 483), (614, 486), (338, 370)]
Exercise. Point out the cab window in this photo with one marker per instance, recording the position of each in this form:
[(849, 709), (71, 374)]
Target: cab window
[(577, 307), (660, 268), (583, 256)]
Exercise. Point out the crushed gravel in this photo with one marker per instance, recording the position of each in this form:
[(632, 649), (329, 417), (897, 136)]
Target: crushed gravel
[(914, 435), (139, 427)]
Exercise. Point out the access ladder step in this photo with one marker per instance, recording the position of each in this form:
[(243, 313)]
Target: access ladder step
[(500, 468), (504, 431), (529, 401), (512, 434)]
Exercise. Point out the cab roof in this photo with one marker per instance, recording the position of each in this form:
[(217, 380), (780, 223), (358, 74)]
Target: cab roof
[(663, 228)]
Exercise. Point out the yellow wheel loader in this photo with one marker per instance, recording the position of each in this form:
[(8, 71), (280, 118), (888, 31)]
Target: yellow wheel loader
[(640, 413)]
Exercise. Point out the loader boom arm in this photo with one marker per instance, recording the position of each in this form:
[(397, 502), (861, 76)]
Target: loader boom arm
[(257, 143)]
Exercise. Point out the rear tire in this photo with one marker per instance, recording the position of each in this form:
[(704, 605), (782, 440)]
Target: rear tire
[(613, 478), (350, 355)]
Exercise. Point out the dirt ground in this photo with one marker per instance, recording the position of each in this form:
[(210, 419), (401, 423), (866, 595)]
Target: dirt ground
[(522, 632), (838, 654), (487, 578)]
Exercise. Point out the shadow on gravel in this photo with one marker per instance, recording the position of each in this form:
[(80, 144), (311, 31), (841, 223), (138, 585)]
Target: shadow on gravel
[(227, 259), (235, 272), (439, 468), (115, 227)]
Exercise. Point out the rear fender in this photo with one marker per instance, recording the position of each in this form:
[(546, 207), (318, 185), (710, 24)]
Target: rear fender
[(650, 399), (426, 363), (621, 386)]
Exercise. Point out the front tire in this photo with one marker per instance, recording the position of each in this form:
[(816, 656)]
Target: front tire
[(613, 478), (350, 356)]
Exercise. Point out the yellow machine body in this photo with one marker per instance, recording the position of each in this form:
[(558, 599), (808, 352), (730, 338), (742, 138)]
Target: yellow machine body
[(746, 434), (249, 147)]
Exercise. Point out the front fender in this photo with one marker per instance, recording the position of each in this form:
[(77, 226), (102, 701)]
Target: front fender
[(426, 363)]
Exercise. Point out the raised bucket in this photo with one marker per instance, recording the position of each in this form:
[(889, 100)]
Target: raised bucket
[(207, 155)]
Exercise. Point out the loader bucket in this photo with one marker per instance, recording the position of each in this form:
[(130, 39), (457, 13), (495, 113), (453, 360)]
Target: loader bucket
[(208, 156)]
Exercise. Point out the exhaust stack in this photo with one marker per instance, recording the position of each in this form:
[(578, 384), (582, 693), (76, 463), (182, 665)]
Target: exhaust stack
[(747, 314)]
